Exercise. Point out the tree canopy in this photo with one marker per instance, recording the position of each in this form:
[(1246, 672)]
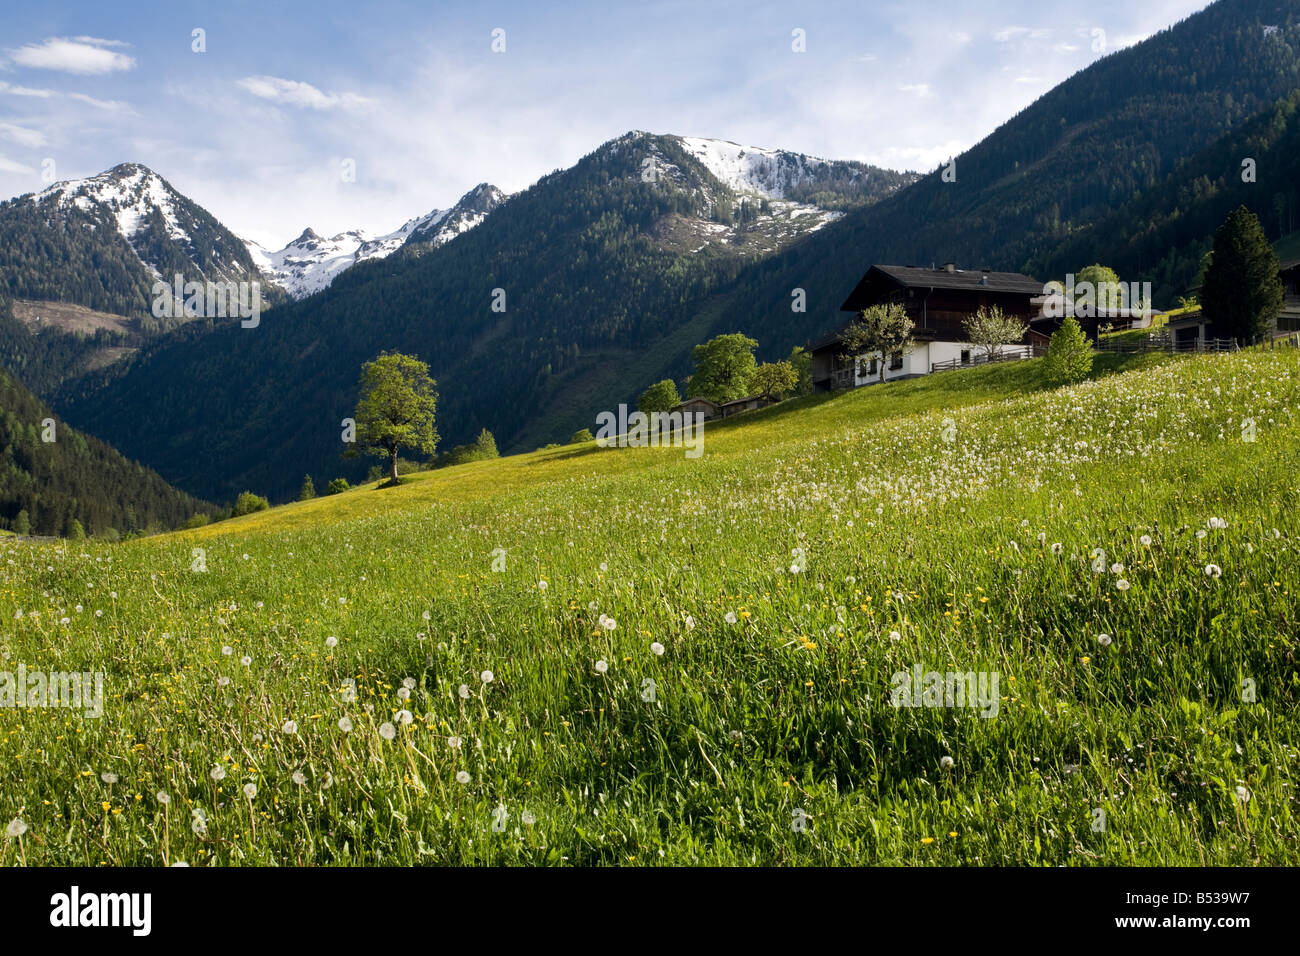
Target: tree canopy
[(990, 328), (396, 408), (883, 329), (724, 368), (775, 379), (659, 397)]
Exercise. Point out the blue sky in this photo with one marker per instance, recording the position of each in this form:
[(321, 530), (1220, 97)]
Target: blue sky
[(257, 128)]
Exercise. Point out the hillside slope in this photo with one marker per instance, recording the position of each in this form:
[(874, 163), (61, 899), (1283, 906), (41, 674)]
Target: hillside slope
[(595, 265), (629, 656), (1162, 234), (75, 477), (1089, 145)]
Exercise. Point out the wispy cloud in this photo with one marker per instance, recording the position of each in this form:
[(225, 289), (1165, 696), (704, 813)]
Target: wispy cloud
[(1007, 34), (21, 135), (113, 106), (25, 91), (9, 166), (298, 93), (85, 56)]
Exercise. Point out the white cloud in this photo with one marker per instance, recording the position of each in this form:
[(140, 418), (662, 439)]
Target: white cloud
[(86, 56), (297, 93), (96, 41), (21, 135), (920, 89), (25, 91), (9, 166), (1007, 34), (1125, 40), (111, 105)]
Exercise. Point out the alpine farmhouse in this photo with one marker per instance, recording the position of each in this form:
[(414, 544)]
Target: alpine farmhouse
[(937, 301)]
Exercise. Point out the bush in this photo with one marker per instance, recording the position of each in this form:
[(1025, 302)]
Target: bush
[(248, 502), (22, 523), (197, 521), (75, 531), (1069, 354), (337, 485), (582, 435), (308, 489)]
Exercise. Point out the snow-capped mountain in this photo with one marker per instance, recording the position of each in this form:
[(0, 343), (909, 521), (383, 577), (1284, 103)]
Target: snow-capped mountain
[(167, 232), (770, 173), (751, 197), (310, 262)]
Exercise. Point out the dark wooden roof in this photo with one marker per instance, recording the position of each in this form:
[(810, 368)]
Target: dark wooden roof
[(740, 401), (881, 278)]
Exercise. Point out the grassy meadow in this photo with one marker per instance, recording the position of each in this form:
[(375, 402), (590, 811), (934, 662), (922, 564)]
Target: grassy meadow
[(689, 661)]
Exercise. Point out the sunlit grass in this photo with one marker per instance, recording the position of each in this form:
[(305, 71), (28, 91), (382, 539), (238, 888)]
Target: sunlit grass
[(919, 508)]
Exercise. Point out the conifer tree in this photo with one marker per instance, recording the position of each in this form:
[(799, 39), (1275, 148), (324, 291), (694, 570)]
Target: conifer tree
[(1242, 296)]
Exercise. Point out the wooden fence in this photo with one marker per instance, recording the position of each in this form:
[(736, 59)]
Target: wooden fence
[(1166, 344), (1020, 353)]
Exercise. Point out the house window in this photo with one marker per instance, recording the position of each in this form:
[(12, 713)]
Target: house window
[(965, 356), (896, 361), (872, 367)]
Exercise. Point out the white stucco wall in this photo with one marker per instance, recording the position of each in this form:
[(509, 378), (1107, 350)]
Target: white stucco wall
[(915, 362), (925, 354)]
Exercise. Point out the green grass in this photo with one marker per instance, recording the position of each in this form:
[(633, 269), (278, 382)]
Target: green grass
[(927, 512)]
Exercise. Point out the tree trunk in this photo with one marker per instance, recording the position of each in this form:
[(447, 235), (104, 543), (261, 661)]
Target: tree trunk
[(392, 464)]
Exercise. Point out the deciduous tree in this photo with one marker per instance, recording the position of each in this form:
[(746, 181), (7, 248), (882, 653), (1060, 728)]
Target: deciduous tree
[(724, 368), (990, 328), (883, 329), (396, 408)]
